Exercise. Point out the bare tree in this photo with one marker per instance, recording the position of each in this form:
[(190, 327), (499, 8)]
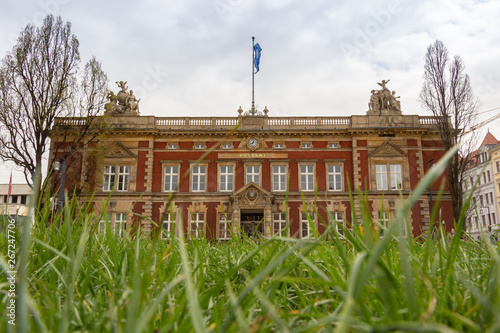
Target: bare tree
[(40, 80), (447, 93)]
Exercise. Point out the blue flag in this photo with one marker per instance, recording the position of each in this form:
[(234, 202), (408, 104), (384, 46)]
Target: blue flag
[(256, 59)]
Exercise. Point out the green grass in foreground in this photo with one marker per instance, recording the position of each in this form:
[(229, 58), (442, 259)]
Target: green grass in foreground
[(74, 279)]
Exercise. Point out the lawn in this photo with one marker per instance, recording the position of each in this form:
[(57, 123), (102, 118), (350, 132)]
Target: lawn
[(73, 279)]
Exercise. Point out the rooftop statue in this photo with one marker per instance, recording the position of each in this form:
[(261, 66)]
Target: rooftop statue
[(122, 103), (383, 102)]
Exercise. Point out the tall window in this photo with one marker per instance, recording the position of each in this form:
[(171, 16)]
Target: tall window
[(396, 180), (307, 177), (497, 163), (168, 226), (102, 222), (171, 178), (384, 222), (198, 178), (226, 178), (279, 177), (335, 177), (109, 178), (197, 221), (393, 173), (305, 226), (253, 174), (120, 223), (225, 225), (279, 223), (338, 218), (381, 174), (123, 177)]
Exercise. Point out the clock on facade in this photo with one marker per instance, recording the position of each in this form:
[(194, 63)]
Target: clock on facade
[(253, 143)]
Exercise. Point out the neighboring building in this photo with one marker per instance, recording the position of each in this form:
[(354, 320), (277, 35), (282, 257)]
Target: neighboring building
[(17, 203), (495, 166), (254, 172), (483, 213)]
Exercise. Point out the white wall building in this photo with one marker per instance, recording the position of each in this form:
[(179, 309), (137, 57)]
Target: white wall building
[(483, 214), (17, 203)]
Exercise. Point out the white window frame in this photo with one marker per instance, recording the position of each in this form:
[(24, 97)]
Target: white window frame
[(226, 178), (383, 220), (280, 176), (338, 217), (307, 177), (173, 176), (333, 174), (199, 178), (109, 178), (279, 145), (120, 225), (306, 145), (224, 226), (197, 224), (333, 145), (102, 223), (199, 146), (168, 225), (279, 223), (116, 177), (396, 176), (227, 146), (381, 177), (172, 146), (305, 227), (123, 178), (252, 176)]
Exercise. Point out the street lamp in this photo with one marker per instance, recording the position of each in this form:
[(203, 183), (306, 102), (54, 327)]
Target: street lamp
[(57, 167), (430, 193), (430, 187)]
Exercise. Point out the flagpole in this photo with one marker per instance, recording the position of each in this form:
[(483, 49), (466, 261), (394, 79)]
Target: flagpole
[(253, 74)]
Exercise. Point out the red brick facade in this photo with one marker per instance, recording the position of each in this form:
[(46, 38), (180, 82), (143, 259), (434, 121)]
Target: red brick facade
[(238, 169)]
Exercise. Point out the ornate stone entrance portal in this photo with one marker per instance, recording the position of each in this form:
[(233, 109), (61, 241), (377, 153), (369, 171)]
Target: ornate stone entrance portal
[(252, 210), (252, 222)]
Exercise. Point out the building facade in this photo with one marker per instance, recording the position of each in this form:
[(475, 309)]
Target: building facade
[(16, 203), (495, 166), (254, 173), (482, 216)]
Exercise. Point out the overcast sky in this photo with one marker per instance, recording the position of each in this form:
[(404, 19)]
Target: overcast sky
[(319, 58)]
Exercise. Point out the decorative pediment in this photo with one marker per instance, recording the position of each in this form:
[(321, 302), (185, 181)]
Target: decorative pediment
[(252, 195), (388, 149), (118, 150)]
